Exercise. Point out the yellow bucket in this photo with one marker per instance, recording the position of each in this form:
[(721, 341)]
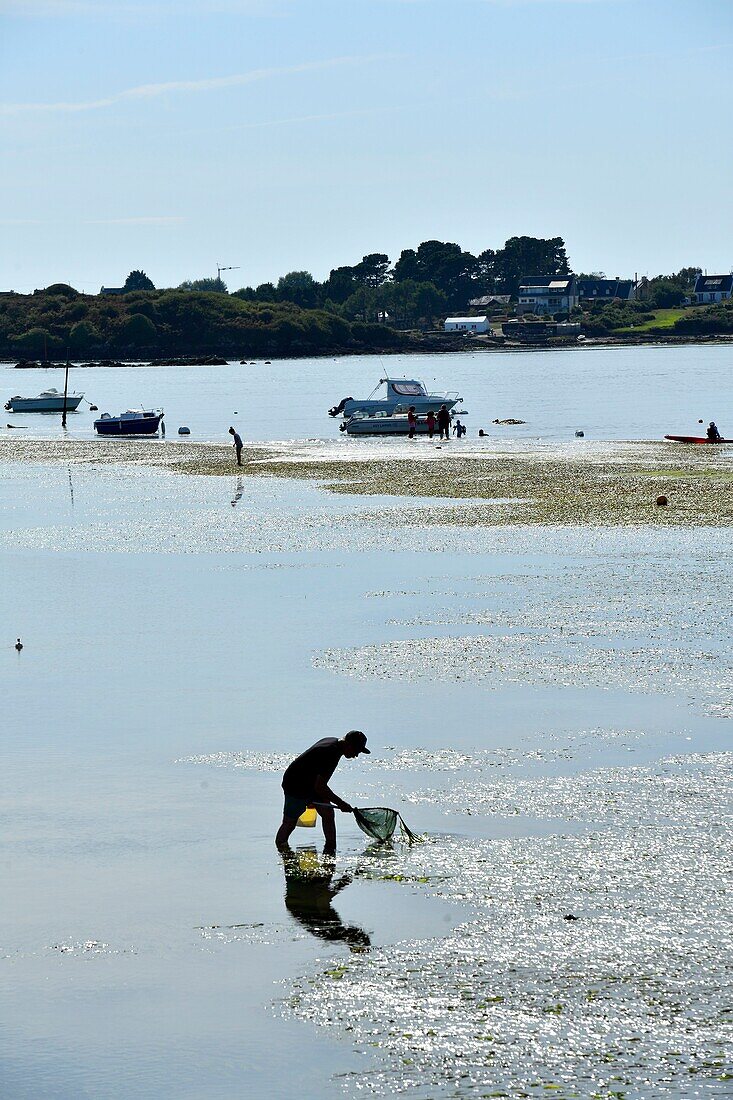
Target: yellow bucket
[(308, 818)]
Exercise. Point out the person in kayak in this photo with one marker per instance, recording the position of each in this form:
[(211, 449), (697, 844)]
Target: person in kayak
[(306, 782), (713, 434)]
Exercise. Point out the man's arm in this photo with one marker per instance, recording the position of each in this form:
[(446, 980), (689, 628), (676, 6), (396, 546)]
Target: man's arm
[(324, 792)]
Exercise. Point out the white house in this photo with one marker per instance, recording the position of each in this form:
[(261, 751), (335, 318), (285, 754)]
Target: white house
[(713, 288), (467, 324), (551, 294)]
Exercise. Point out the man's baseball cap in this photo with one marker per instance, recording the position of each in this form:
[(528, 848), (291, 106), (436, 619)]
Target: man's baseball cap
[(357, 738)]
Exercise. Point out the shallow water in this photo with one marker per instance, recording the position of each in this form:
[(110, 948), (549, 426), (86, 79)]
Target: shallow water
[(610, 393), (183, 637)]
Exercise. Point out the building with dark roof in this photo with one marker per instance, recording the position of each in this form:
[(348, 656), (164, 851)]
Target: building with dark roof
[(547, 294), (606, 290), (490, 300), (112, 290), (713, 288)]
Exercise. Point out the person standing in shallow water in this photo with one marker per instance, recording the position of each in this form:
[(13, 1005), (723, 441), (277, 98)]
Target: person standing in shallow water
[(430, 418), (305, 782), (444, 422), (237, 445), (411, 422)]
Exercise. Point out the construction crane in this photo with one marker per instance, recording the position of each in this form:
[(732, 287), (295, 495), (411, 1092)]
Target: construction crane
[(219, 270)]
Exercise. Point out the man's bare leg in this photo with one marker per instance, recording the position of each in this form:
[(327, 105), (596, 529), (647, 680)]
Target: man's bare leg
[(283, 833), (328, 821)]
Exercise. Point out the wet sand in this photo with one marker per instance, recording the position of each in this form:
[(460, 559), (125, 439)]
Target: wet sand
[(552, 712), (599, 485)]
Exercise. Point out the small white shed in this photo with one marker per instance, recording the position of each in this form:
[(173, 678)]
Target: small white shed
[(467, 324)]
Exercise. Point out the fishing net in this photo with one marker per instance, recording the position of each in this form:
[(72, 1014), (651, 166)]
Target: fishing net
[(380, 823)]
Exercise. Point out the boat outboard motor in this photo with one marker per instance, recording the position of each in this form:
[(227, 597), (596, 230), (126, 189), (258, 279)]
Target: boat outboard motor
[(340, 407)]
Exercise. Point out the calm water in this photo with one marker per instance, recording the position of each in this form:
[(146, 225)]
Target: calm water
[(617, 393), (553, 711)]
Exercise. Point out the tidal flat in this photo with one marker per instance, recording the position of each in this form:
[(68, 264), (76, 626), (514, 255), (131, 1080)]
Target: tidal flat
[(601, 484), (548, 702)]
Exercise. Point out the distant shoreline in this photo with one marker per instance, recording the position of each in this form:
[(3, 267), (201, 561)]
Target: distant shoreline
[(434, 347)]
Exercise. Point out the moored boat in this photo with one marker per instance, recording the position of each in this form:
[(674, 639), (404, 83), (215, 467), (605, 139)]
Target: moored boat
[(399, 395), (130, 422), (382, 424), (48, 401)]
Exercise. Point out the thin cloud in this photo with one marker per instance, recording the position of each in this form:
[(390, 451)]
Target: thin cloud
[(173, 87), (126, 9), (144, 220), (64, 8), (329, 116)]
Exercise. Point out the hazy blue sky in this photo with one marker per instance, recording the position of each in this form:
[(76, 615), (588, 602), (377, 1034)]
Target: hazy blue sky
[(300, 134)]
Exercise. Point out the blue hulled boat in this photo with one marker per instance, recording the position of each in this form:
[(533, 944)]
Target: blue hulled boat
[(131, 422)]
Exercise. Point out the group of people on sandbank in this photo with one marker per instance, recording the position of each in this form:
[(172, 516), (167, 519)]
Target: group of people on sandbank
[(441, 422)]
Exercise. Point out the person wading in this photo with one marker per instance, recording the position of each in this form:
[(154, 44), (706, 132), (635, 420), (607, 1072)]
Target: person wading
[(444, 422), (237, 445), (411, 422), (305, 782)]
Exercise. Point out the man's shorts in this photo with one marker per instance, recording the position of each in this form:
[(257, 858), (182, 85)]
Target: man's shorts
[(294, 806)]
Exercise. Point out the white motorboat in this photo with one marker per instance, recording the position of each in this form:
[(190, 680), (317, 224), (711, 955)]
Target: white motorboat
[(381, 423), (48, 401), (400, 394)]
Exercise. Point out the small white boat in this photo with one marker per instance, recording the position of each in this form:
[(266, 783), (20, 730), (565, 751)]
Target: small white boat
[(48, 401), (400, 394)]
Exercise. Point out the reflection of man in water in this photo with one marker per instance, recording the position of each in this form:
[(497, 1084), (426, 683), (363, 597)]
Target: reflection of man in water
[(309, 892), (238, 493)]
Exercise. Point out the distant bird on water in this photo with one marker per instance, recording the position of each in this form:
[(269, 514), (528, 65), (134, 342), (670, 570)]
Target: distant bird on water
[(19, 645)]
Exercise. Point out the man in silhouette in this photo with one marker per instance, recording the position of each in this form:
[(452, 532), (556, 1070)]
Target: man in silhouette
[(444, 422), (237, 445), (305, 782)]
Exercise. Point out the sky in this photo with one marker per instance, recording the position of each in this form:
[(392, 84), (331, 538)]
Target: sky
[(278, 135)]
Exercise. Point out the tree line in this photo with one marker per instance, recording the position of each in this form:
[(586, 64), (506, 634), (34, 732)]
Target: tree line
[(422, 284), (59, 321), (436, 278), (356, 308)]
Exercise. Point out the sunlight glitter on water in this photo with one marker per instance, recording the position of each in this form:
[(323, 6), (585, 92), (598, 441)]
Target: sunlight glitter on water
[(595, 969), (141, 802)]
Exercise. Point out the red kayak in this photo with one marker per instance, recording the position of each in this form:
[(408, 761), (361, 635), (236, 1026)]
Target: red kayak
[(695, 439)]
